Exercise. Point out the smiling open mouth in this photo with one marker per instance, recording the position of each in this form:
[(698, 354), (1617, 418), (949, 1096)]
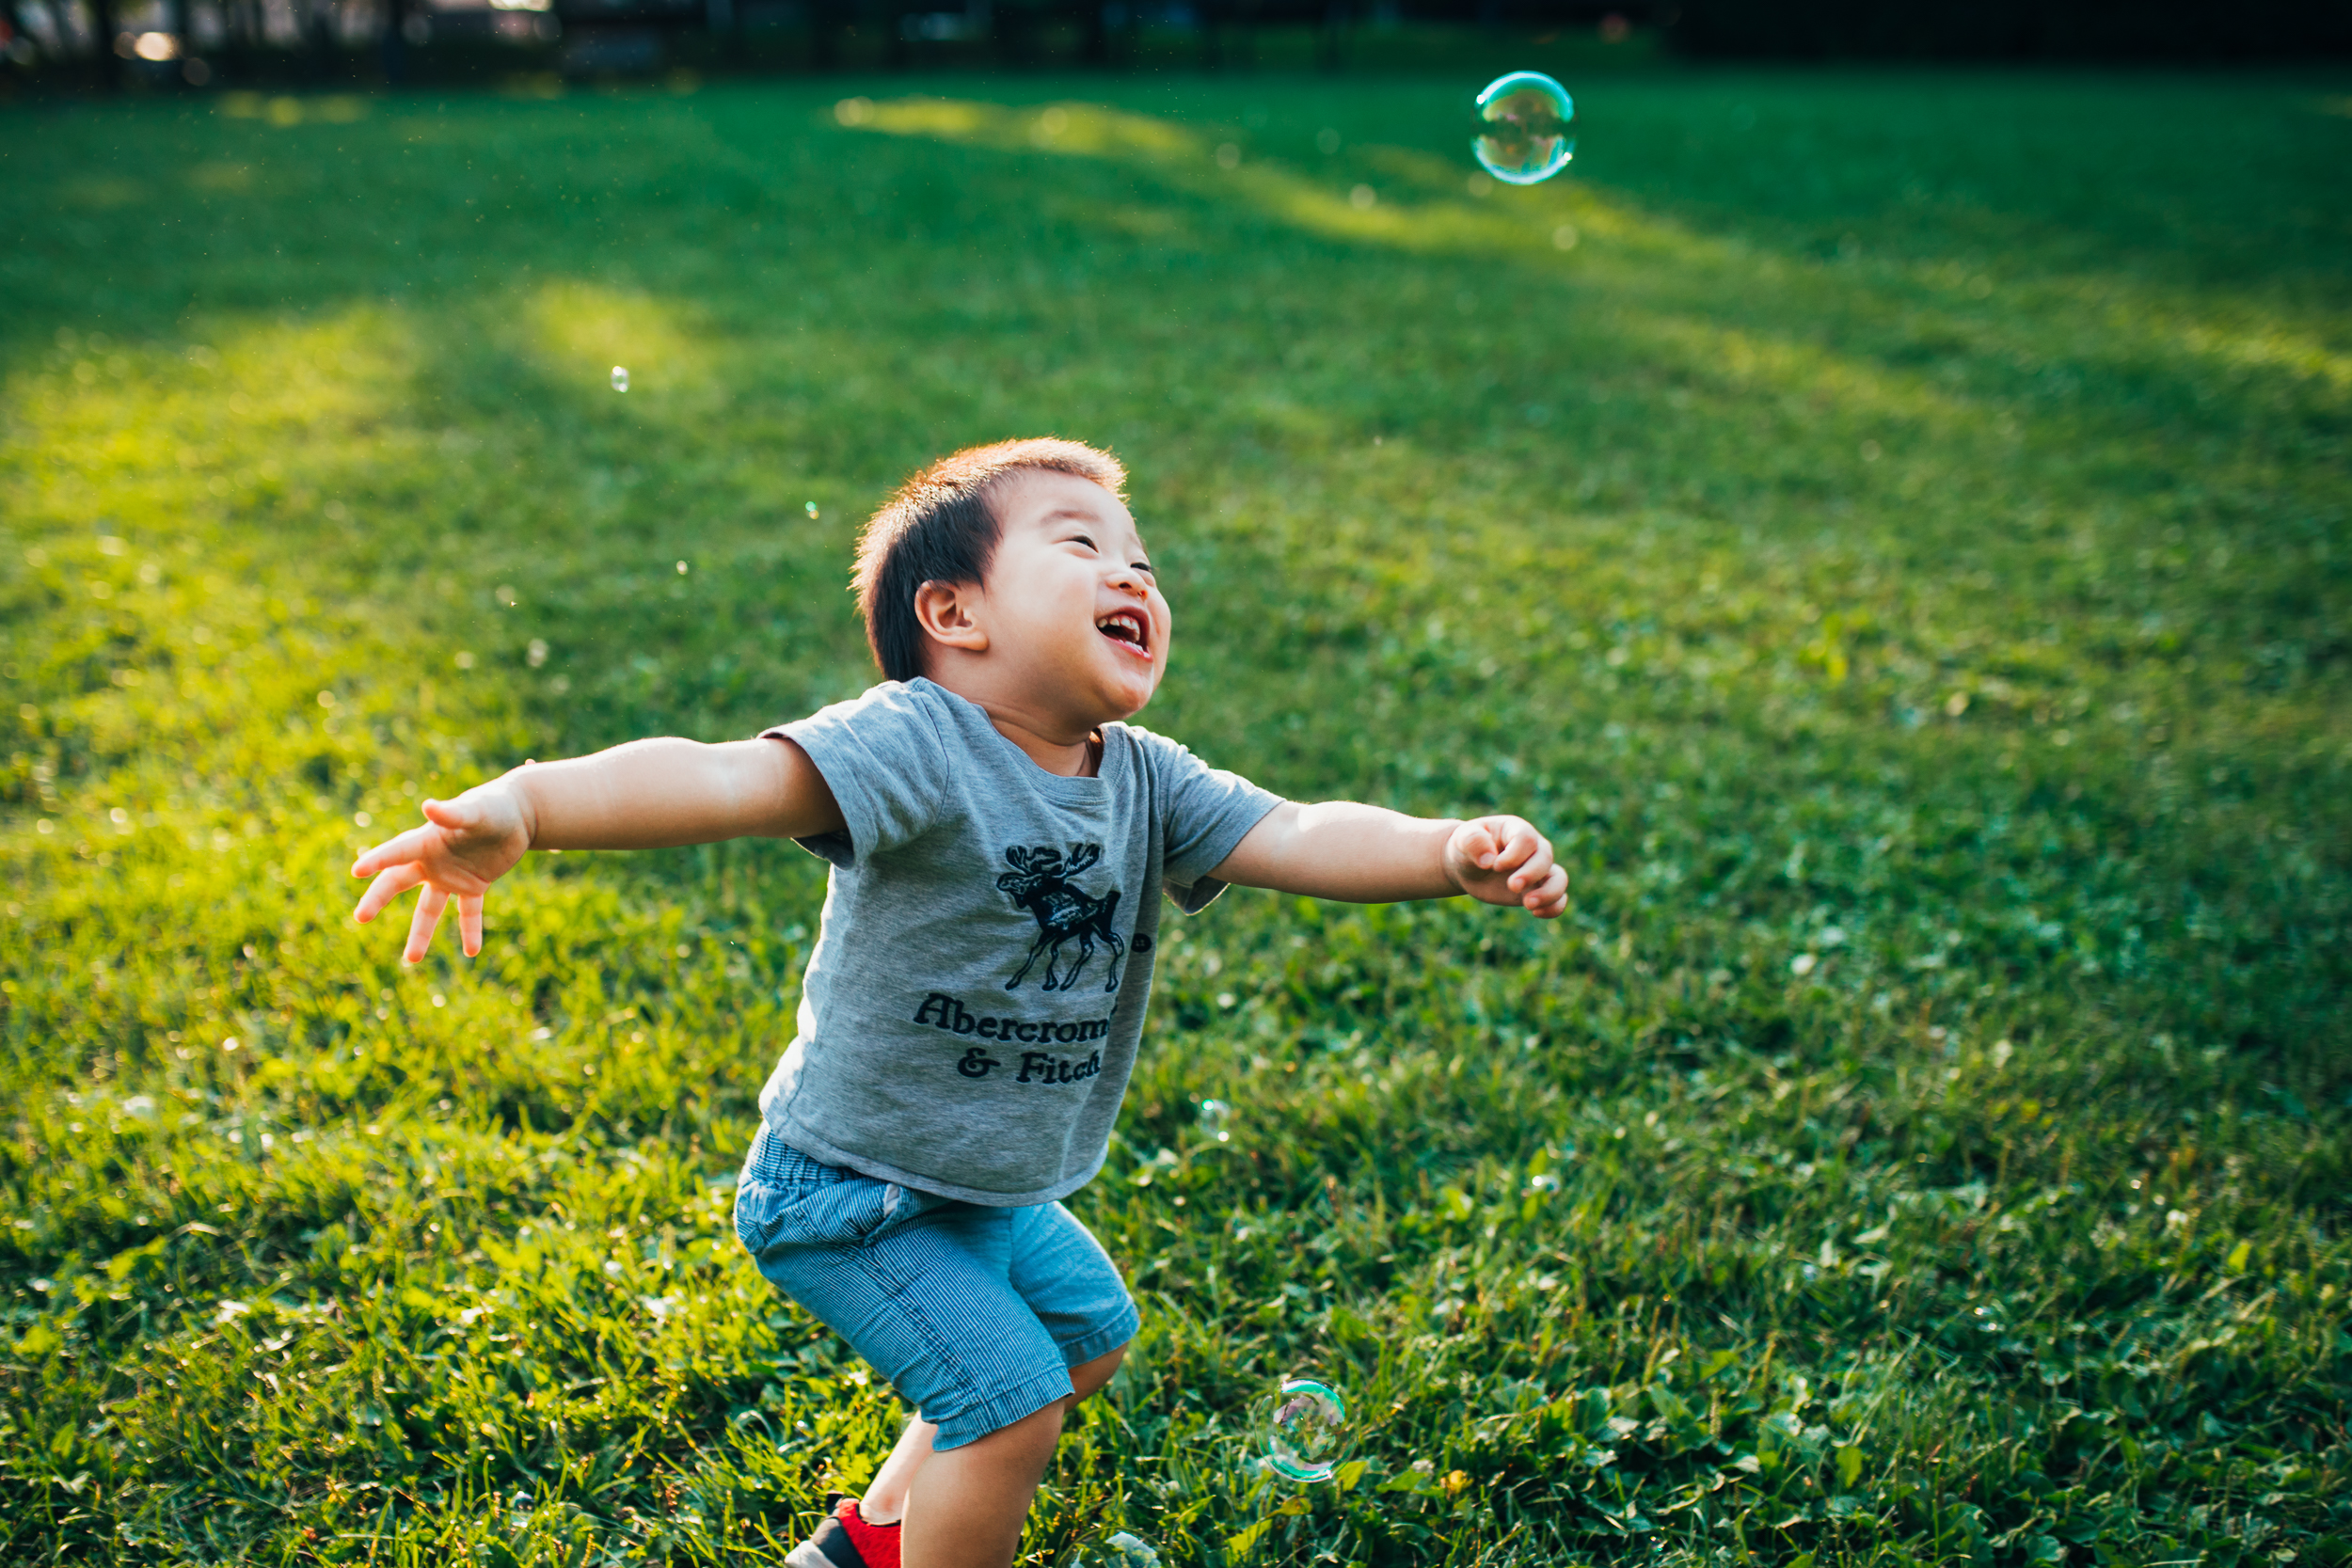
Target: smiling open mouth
[(1127, 626)]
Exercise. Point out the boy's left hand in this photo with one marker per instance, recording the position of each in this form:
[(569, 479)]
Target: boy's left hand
[(1503, 860)]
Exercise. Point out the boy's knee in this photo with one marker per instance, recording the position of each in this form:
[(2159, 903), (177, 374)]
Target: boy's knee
[(1088, 1376), (1016, 1444), (1035, 1434)]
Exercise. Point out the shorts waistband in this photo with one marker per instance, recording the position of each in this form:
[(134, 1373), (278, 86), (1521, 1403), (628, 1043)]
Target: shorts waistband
[(773, 1161)]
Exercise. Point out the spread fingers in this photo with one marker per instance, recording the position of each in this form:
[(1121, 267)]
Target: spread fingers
[(469, 921), (389, 885), (428, 915)]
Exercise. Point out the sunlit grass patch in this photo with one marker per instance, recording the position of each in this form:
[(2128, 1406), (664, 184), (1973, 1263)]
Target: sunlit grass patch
[(583, 329)]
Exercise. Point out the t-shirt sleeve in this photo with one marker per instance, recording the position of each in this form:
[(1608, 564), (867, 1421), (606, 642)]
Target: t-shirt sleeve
[(1206, 811), (881, 756)]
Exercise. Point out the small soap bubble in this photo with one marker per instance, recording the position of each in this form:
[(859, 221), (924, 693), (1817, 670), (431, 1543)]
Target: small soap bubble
[(1524, 128), (1215, 1119), (1304, 1427), (1543, 1181), (1111, 1548), (812, 512), (620, 379)]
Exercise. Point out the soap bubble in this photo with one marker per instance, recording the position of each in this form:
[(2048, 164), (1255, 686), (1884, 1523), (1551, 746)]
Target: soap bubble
[(620, 377), (812, 512), (1304, 1429), (1524, 128), (1111, 1548), (1214, 1116)]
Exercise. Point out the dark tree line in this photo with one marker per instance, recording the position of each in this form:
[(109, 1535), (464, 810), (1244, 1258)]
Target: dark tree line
[(1100, 32), (2186, 31)]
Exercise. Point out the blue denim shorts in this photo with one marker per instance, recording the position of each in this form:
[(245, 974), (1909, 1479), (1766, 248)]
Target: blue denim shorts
[(974, 1314)]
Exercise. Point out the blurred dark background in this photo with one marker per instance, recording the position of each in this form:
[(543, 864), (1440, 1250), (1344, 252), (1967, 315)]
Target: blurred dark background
[(178, 45)]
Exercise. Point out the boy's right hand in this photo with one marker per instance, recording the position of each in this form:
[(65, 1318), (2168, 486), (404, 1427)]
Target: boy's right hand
[(645, 795), (464, 846)]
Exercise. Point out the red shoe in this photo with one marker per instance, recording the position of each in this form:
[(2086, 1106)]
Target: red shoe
[(845, 1540)]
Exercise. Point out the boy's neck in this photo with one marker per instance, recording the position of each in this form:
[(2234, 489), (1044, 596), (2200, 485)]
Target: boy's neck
[(1082, 759), (1057, 742)]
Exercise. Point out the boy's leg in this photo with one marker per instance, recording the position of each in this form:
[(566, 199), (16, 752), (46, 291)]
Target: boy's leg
[(886, 1499), (886, 1494), (968, 1504), (1087, 1379)]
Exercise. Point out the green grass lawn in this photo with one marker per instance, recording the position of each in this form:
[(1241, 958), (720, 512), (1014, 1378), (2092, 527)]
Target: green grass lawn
[(1892, 531)]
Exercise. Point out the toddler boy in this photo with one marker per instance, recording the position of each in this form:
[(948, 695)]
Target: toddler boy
[(971, 1010)]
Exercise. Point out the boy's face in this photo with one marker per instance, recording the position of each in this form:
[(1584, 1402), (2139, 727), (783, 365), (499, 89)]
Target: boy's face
[(1070, 607)]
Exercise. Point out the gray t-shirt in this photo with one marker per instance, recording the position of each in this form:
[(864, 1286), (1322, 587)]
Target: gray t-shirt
[(970, 1014)]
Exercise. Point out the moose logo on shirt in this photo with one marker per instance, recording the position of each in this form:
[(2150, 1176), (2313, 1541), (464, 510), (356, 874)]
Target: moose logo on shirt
[(1039, 883)]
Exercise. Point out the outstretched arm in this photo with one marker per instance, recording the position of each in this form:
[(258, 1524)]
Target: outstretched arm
[(648, 794), (1368, 855)]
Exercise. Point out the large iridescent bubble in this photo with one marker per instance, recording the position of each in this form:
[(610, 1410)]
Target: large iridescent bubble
[(1304, 1429), (1524, 128)]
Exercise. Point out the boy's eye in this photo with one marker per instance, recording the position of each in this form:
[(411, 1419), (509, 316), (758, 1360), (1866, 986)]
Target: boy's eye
[(1082, 539)]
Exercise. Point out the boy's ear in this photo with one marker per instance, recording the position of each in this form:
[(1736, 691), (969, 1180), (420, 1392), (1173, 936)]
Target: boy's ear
[(946, 611)]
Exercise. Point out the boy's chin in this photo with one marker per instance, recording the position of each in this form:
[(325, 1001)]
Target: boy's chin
[(1124, 687), (1125, 699), (1129, 706)]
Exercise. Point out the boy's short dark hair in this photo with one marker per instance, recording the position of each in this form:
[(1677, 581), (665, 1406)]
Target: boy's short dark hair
[(940, 528)]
